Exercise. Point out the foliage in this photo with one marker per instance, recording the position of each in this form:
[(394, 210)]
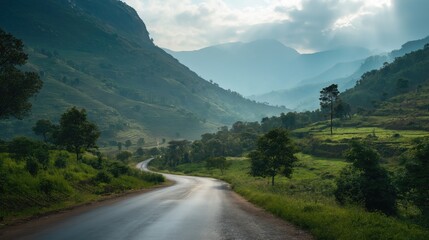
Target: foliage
[(140, 142), (328, 99), (93, 59), (128, 144), (45, 128), (123, 156), (27, 189), (23, 148), (61, 161), (75, 132), (306, 200), (218, 163), (366, 181), (16, 86), (417, 176), (274, 155), (405, 75)]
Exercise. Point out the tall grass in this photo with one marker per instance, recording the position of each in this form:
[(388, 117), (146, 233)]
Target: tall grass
[(307, 201), (60, 186)]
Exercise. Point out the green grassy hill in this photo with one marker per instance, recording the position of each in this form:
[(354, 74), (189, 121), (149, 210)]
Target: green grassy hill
[(98, 55)]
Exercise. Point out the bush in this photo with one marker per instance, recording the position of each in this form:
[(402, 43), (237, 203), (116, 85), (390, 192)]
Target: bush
[(152, 177), (22, 148), (117, 169), (32, 166), (349, 186), (366, 181), (103, 177), (123, 156), (61, 161), (46, 186)]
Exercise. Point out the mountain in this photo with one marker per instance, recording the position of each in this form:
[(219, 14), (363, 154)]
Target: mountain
[(97, 54), (305, 96), (263, 65), (407, 74)]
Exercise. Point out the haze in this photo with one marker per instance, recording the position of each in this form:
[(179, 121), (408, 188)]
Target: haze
[(305, 25)]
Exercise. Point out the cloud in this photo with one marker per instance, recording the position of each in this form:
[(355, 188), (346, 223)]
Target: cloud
[(306, 25)]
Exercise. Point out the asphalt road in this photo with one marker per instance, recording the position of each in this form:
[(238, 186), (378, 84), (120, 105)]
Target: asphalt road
[(193, 208)]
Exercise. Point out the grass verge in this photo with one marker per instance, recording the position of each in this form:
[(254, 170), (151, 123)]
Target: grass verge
[(306, 200)]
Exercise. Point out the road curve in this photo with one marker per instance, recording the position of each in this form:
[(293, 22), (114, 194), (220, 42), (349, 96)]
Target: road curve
[(193, 208)]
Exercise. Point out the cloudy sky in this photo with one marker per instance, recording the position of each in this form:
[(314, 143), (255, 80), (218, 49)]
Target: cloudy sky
[(306, 25)]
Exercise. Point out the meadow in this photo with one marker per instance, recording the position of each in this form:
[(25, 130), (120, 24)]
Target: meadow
[(307, 200)]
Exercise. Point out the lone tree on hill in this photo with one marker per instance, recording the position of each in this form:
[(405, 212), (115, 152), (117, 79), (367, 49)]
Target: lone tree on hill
[(328, 97), (76, 133), (274, 155), (16, 87)]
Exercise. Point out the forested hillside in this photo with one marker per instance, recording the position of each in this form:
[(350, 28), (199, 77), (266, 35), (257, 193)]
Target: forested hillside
[(405, 75), (98, 55)]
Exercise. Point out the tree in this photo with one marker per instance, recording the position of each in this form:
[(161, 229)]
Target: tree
[(123, 156), (128, 144), (140, 142), (44, 128), (76, 133), (22, 148), (417, 176), (365, 181), (342, 109), (139, 152), (177, 152), (119, 144), (16, 86), (402, 85), (217, 162), (328, 97), (274, 155)]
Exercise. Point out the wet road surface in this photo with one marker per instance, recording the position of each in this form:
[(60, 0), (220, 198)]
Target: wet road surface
[(193, 208)]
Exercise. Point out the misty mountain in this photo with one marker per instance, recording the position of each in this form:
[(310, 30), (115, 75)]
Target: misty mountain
[(305, 97), (263, 65), (98, 55)]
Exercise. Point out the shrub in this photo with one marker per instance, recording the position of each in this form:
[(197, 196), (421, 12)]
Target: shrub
[(46, 186), (32, 166), (117, 169), (61, 161), (366, 181), (103, 177)]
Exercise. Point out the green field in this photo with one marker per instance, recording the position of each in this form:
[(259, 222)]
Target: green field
[(307, 200)]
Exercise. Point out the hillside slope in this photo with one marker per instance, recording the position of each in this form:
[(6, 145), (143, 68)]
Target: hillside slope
[(98, 55), (406, 75)]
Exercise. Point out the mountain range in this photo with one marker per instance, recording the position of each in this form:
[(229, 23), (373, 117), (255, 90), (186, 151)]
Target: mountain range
[(264, 65), (270, 72), (305, 96), (98, 55)]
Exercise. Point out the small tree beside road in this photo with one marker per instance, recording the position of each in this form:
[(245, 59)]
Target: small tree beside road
[(76, 133)]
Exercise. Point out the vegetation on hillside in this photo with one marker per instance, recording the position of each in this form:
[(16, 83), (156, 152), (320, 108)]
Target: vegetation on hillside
[(98, 55), (383, 172), (16, 86)]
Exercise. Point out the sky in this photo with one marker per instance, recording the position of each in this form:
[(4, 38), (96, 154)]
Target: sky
[(306, 25)]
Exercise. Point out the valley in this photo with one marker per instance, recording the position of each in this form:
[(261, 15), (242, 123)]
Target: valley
[(246, 137)]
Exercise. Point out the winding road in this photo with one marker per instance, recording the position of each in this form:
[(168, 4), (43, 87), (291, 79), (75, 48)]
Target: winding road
[(193, 208)]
